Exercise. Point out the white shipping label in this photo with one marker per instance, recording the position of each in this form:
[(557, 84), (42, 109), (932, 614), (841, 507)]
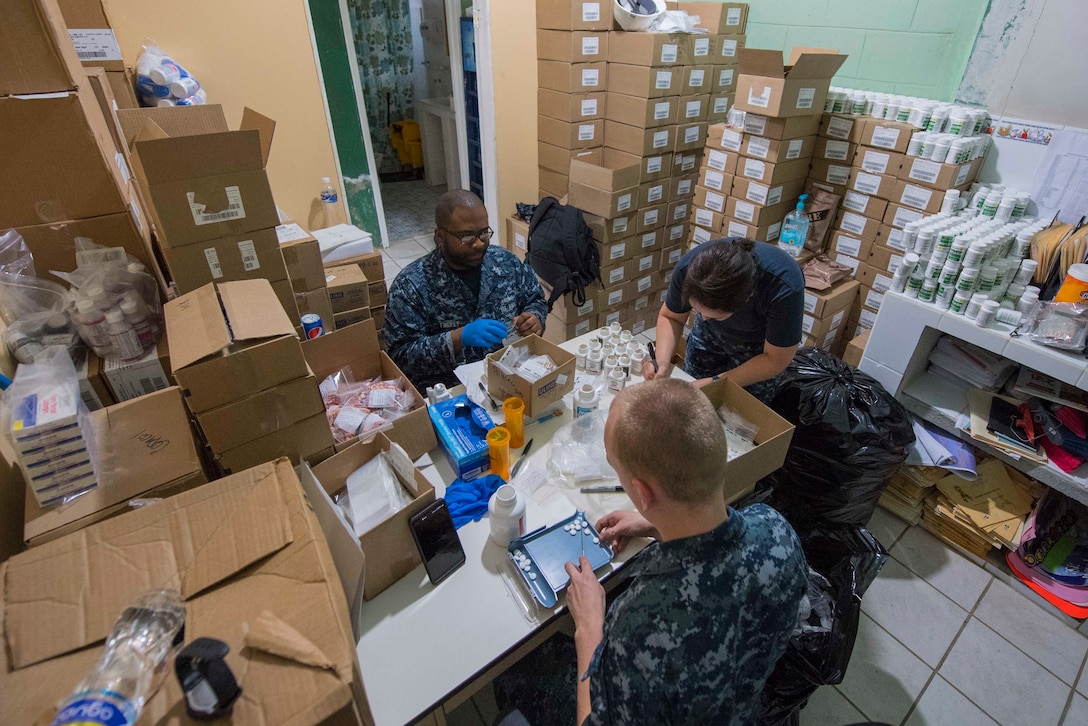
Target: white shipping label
[(757, 193), (649, 218), (774, 195), (519, 241), (119, 160), (916, 196), (849, 245), (234, 210), (924, 170), (836, 150), (732, 140), (732, 16), (903, 217), (716, 160), (895, 240), (700, 235), (853, 223), (589, 107), (693, 109), (837, 318), (893, 262), (691, 134), (249, 255), (641, 303), (653, 164), (612, 318), (702, 47), (586, 132), (793, 149), (212, 257), (839, 128), (99, 256), (579, 329), (837, 174), (591, 12), (805, 97), (867, 318), (135, 209), (875, 162), (714, 179), (704, 217), (591, 76), (721, 104), (745, 211), (882, 283), (754, 169), (729, 48), (885, 137), (695, 78), (591, 45), (649, 239), (674, 256), (687, 162), (810, 302), (664, 80), (616, 275), (715, 201), (668, 52), (807, 323), (683, 187), (680, 212), (755, 124), (638, 327), (617, 251), (623, 203), (619, 225), (961, 175), (645, 263), (655, 193), (856, 202), (760, 100), (661, 139), (849, 261), (661, 110), (736, 229), (676, 232), (95, 44), (725, 79), (290, 232), (615, 297), (644, 283), (759, 146), (867, 183)]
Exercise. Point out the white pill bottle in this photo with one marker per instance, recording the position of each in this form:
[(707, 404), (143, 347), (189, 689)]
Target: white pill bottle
[(506, 510)]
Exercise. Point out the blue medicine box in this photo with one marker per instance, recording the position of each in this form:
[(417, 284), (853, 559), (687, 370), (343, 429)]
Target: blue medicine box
[(461, 427)]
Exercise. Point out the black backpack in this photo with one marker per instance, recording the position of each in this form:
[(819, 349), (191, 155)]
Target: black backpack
[(562, 250)]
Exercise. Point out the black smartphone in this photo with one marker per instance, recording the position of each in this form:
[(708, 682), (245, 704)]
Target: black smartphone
[(437, 540)]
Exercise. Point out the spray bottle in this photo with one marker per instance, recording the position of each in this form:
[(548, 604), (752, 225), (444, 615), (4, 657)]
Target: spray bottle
[(795, 229)]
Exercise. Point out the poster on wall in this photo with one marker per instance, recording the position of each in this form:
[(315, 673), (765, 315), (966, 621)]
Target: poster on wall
[(1061, 179)]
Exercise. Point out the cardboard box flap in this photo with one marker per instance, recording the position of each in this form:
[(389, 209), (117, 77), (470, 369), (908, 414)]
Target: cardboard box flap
[(263, 125), (54, 598), (760, 62), (174, 120), (193, 157), (814, 63), (195, 327), (355, 344), (271, 635), (253, 310)]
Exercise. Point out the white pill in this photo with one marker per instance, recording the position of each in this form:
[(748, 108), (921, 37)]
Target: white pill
[(517, 553), (596, 540), (586, 532), (526, 566), (532, 575), (573, 532)]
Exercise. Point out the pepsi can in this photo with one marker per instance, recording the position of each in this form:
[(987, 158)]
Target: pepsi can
[(311, 326)]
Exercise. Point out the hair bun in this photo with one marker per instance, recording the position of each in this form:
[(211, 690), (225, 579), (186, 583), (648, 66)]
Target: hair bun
[(745, 244)]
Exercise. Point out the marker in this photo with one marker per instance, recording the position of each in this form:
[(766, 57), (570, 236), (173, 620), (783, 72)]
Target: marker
[(547, 417), (601, 489), (653, 355)]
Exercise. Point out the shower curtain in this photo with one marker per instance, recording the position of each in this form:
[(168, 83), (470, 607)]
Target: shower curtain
[(383, 44)]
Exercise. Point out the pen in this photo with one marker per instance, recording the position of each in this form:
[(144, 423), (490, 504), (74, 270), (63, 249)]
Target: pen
[(547, 416), (521, 459), (601, 489), (653, 355)]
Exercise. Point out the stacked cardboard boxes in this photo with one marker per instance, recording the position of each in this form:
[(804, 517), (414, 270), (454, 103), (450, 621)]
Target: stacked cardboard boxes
[(306, 273), (345, 286)]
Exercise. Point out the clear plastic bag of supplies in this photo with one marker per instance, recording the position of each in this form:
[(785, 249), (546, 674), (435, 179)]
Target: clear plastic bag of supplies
[(33, 309), (577, 451), (740, 433), (373, 493), (1058, 325), (162, 81), (363, 408), (676, 21)]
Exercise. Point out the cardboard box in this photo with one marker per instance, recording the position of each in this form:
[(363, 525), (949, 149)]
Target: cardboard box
[(140, 445), (651, 218), (379, 293), (715, 180), (656, 82), (721, 136), (378, 314), (857, 225), (67, 165), (830, 172), (825, 303), (557, 331), (799, 88), (622, 314), (91, 34), (244, 257), (609, 231), (618, 273), (884, 259), (842, 127), (871, 299), (719, 105), (819, 328), (709, 199), (648, 49), (707, 219), (670, 257), (877, 185), (614, 171), (834, 149), (348, 288), (899, 216), (855, 349), (571, 107), (723, 79), (795, 127), (36, 52), (702, 48), (693, 108), (356, 347), (307, 440), (517, 236), (603, 203), (558, 160), (730, 18), (917, 197), (315, 302), (103, 94), (581, 135), (139, 377), (658, 166), (250, 559), (723, 162), (265, 412), (697, 80), (871, 207), (757, 214), (766, 195), (639, 142), (388, 547), (565, 311), (206, 185), (576, 47), (615, 297), (571, 77), (873, 278), (761, 233), (302, 258), (676, 232), (123, 84), (682, 189), (885, 134), (771, 443), (690, 137), (53, 245), (371, 265), (647, 242), (350, 317), (771, 174), (654, 192), (93, 388), (778, 151), (686, 163), (643, 113), (843, 244), (538, 395), (573, 15), (229, 341), (553, 184), (876, 161), (936, 175)]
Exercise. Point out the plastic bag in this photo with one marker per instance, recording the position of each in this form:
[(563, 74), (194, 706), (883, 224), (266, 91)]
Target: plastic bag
[(577, 451), (373, 493), (115, 307), (362, 408), (32, 309), (851, 435), (1059, 325), (162, 81), (676, 21)]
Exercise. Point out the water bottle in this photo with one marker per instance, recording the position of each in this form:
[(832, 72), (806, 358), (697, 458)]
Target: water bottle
[(114, 692), (330, 203), (795, 229)]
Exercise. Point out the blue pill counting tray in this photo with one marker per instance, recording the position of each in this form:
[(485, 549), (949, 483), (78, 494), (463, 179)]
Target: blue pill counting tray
[(540, 555)]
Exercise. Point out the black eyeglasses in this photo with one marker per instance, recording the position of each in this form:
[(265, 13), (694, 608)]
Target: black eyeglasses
[(469, 238)]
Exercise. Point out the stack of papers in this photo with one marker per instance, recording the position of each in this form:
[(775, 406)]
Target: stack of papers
[(984, 427), (961, 361), (342, 241), (933, 446), (1033, 383), (908, 489)]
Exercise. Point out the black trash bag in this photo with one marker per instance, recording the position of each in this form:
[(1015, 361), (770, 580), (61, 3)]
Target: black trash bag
[(820, 648), (850, 438)]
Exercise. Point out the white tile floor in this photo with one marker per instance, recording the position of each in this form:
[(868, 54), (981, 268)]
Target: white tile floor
[(942, 641)]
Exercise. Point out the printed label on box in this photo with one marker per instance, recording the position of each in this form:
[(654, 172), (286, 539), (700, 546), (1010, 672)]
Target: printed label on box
[(732, 140), (732, 16), (916, 196), (691, 134), (725, 78), (591, 45), (715, 201), (867, 318), (754, 169), (638, 327), (645, 263), (837, 174), (867, 183), (882, 283), (623, 203), (774, 195), (680, 212), (745, 211), (729, 48), (586, 132), (905, 216), (849, 245), (736, 229), (893, 262), (668, 53), (615, 275), (619, 225), (855, 201), (591, 12), (676, 232), (693, 109), (289, 233), (885, 137), (661, 110), (836, 150), (853, 223), (581, 328), (586, 309), (591, 76), (714, 180), (695, 79), (234, 210), (653, 164), (961, 175), (925, 171), (703, 217), (655, 193), (895, 240), (642, 302), (702, 47), (757, 193), (617, 251), (650, 217), (839, 128), (874, 299), (687, 162), (683, 187), (716, 160), (759, 146), (721, 104), (589, 107), (613, 317), (644, 283), (755, 124), (661, 139), (615, 297), (212, 256), (95, 44), (762, 100), (674, 256), (700, 235), (249, 255), (793, 149), (519, 241), (810, 302), (664, 80), (849, 261), (807, 323), (805, 97), (875, 162), (649, 239), (773, 232)]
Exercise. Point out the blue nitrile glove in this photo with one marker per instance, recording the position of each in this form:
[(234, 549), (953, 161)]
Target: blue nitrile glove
[(483, 333), (467, 500)]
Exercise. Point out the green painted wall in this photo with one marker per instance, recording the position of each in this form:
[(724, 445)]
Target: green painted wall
[(336, 69), (916, 47)]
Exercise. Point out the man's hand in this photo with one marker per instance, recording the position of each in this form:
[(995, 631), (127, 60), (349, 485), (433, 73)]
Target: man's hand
[(619, 527), (649, 373), (585, 600), (483, 333), (528, 324)]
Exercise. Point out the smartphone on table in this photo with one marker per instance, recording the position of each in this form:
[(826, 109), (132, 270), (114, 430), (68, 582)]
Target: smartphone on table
[(437, 540)]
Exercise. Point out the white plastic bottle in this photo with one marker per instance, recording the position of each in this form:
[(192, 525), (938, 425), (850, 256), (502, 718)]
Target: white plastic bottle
[(123, 337), (586, 400), (795, 229), (92, 326), (506, 512), (135, 313)]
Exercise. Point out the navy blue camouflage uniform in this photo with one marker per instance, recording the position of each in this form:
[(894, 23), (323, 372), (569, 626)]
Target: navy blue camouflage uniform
[(427, 301)]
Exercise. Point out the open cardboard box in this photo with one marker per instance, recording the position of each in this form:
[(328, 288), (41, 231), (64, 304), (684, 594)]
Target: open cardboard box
[(538, 395), (356, 347), (799, 88), (772, 441), (248, 556), (388, 547)]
